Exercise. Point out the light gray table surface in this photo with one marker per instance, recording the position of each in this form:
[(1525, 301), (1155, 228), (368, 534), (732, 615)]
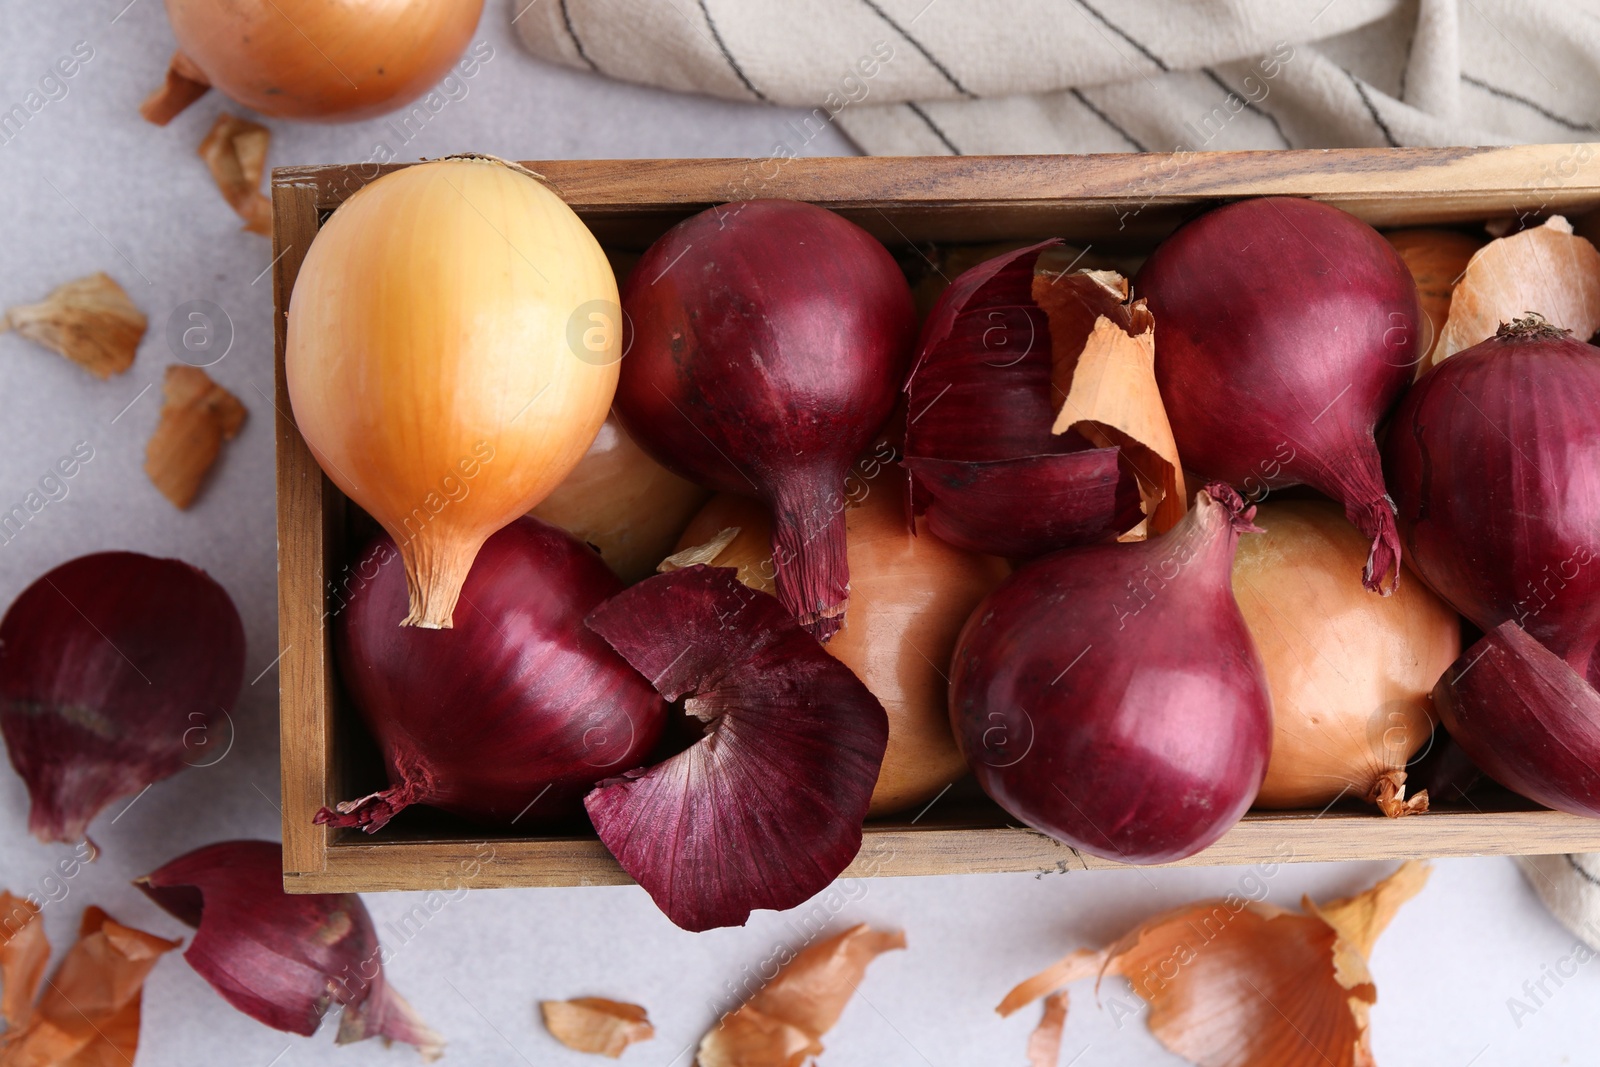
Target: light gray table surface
[(85, 186)]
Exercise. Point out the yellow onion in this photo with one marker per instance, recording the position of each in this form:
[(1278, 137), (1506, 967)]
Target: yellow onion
[(450, 357), (312, 59), (909, 596), (1350, 673), (1436, 259), (624, 503)]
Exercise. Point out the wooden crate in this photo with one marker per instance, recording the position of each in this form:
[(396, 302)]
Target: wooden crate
[(1113, 202)]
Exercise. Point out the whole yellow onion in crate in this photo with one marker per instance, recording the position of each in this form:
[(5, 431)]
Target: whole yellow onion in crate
[(453, 346)]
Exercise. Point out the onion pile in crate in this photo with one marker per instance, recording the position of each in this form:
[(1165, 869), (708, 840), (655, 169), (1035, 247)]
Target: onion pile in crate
[(973, 548)]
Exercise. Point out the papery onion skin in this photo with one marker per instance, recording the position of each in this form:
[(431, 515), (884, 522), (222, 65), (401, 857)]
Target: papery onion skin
[(1494, 462), (116, 670), (770, 339), (1350, 673), (1111, 697), (623, 503), (431, 359), (1526, 717), (514, 714), (912, 593), (765, 810), (319, 61), (984, 465), (1286, 329), (283, 960)]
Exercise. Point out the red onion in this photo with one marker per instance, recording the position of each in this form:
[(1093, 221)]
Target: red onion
[(1111, 697), (112, 666), (1285, 331), (515, 712), (283, 960), (764, 810), (985, 467), (1494, 461), (1525, 717), (769, 341)]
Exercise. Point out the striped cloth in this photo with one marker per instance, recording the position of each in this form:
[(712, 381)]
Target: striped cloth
[(931, 77)]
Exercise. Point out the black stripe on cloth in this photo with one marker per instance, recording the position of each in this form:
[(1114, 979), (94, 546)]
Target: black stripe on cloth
[(1103, 117), (1114, 28), (1361, 91), (934, 126), (1525, 102), (734, 63), (918, 45), (1575, 865), (566, 16), (1249, 105)]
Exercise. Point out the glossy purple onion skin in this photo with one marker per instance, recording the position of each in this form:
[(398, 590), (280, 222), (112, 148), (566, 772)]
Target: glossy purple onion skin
[(985, 468), (765, 810), (769, 341), (1526, 718), (1285, 331), (116, 669), (282, 960), (1493, 458), (513, 714), (1111, 696)]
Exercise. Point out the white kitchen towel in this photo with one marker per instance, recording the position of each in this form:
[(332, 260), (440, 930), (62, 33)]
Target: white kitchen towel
[(1570, 888), (933, 77)]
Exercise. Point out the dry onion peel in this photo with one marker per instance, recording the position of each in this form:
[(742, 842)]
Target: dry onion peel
[(911, 593), (1103, 362), (783, 1023), (1437, 259), (24, 953), (88, 1015), (985, 467), (1044, 1044), (235, 150), (1547, 270), (1239, 983), (184, 84), (1350, 673), (623, 503), (90, 321), (594, 1024), (430, 361), (764, 810), (197, 416)]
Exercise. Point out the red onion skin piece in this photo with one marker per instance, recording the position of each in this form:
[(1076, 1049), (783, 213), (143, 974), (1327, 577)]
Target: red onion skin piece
[(1526, 717), (769, 343), (985, 468), (1494, 461), (1285, 331), (1111, 697), (765, 810), (283, 960), (518, 704), (113, 667)]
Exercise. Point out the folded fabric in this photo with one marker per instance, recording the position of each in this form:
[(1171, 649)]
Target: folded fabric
[(932, 77)]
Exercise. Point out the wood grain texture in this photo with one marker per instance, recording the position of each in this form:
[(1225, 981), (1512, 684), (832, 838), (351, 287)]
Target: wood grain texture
[(1120, 200)]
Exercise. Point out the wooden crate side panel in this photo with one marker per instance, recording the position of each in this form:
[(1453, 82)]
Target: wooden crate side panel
[(308, 510)]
